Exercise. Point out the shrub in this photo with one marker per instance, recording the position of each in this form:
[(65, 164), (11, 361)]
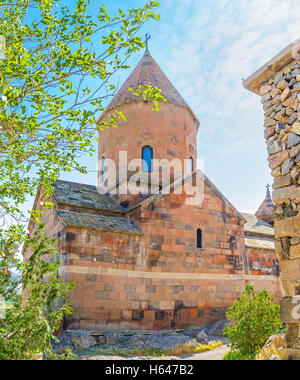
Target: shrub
[(253, 319), (233, 355)]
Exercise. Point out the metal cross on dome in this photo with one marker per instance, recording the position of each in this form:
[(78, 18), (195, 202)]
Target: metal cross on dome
[(147, 38)]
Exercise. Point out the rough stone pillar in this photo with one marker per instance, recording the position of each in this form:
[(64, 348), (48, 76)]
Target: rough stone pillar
[(278, 83)]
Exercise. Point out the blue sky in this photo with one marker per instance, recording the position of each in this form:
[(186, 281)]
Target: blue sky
[(206, 48)]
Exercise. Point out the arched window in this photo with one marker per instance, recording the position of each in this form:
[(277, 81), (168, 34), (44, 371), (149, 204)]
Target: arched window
[(103, 170), (191, 164), (232, 243), (147, 156), (199, 238)]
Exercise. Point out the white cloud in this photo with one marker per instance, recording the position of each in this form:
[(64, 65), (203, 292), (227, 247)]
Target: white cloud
[(207, 48)]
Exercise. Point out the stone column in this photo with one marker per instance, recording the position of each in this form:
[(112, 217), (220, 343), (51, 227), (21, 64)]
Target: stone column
[(278, 83)]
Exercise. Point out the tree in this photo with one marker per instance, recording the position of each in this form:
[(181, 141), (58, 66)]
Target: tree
[(57, 71), (253, 319), (54, 79), (31, 321)]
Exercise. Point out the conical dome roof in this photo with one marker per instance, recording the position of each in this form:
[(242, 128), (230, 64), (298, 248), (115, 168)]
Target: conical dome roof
[(147, 72), (266, 209)]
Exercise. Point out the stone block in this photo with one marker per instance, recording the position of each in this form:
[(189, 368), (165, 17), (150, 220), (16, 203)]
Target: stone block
[(91, 277), (296, 128), (269, 132), (290, 309), (265, 89), (178, 289), (286, 166), (130, 288), (179, 241), (102, 295), (282, 181), (295, 251), (290, 270), (159, 315), (277, 159), (295, 151), (289, 354), (166, 305), (292, 119), (282, 247), (153, 306), (282, 84), (83, 341), (293, 140), (137, 315), (286, 93), (295, 240), (150, 289), (269, 122), (108, 287), (274, 147), (286, 194), (287, 102), (276, 172), (114, 315)]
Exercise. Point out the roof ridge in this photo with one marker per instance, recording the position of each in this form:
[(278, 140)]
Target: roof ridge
[(75, 183), (178, 182)]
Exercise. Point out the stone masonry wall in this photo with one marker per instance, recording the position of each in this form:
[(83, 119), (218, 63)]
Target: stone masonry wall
[(264, 262), (281, 103), (160, 280), (171, 133)]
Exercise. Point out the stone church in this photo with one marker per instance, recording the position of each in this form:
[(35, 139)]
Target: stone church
[(154, 261)]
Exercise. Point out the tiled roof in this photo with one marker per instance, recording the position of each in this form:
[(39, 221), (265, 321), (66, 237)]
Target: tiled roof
[(257, 226), (85, 196), (147, 72), (267, 207), (97, 222)]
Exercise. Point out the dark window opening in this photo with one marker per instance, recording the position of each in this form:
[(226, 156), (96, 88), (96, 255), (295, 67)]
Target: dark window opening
[(191, 164), (103, 170), (147, 156), (199, 238), (232, 242), (124, 204)]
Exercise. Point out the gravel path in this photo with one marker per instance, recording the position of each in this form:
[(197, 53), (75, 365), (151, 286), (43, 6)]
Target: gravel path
[(216, 354)]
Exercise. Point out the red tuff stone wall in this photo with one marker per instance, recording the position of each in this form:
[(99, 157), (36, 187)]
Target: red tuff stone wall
[(264, 263), (171, 133), (192, 286), (160, 280), (102, 299)]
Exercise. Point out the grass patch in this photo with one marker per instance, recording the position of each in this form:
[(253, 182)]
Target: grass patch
[(153, 352), (184, 350)]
